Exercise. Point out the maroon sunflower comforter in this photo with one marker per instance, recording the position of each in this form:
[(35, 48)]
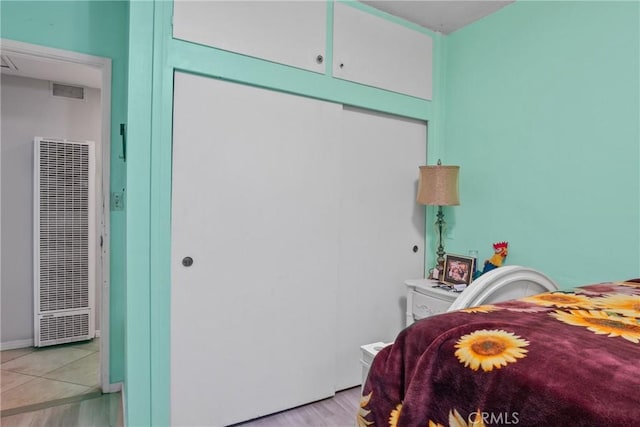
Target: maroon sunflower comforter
[(553, 359)]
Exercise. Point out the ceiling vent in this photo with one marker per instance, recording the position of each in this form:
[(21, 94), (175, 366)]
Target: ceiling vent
[(7, 63), (67, 91)]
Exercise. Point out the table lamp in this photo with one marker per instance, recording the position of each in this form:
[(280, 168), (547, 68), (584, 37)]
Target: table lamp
[(438, 186)]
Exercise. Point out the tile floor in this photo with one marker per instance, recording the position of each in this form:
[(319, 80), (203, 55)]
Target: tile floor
[(101, 411), (33, 376)]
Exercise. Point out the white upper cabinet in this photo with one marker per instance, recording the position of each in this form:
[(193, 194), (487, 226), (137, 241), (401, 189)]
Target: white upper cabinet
[(373, 51), (286, 32), (367, 49)]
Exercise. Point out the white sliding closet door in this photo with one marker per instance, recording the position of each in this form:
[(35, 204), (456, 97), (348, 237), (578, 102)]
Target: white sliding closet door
[(380, 225), (253, 319)]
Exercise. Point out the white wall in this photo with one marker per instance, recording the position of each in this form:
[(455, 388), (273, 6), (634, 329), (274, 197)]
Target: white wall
[(28, 110)]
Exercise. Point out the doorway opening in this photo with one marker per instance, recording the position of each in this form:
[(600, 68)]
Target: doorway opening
[(33, 78)]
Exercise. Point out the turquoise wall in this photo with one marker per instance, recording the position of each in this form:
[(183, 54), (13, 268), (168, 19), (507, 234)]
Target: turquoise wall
[(541, 110), (97, 28)]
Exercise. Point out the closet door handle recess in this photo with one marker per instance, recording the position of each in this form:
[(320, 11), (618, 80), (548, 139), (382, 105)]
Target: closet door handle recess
[(187, 261)]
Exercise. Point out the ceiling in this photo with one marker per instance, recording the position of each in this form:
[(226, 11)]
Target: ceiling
[(443, 16), (58, 71)]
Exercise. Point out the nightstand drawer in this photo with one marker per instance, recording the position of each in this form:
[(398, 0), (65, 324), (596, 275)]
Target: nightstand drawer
[(427, 305)]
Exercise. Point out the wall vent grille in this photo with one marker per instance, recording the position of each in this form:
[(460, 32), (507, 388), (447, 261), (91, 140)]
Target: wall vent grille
[(67, 91), (64, 206), (62, 328), (7, 63)]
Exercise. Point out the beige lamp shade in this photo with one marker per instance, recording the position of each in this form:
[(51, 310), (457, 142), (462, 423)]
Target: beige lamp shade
[(438, 185)]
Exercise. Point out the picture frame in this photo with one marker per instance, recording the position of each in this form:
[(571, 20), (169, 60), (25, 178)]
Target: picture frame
[(458, 269)]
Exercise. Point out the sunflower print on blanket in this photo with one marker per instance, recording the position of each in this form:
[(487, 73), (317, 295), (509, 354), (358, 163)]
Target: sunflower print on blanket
[(560, 300), (602, 323), (456, 420), (488, 308), (490, 349), (609, 288), (395, 415), (363, 411), (625, 305)]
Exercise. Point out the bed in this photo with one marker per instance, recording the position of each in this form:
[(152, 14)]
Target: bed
[(558, 358)]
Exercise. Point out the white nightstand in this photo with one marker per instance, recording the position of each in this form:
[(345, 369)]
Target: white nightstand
[(368, 352), (423, 300)]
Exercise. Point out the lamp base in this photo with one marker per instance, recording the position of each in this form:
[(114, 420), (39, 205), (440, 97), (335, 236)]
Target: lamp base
[(440, 224)]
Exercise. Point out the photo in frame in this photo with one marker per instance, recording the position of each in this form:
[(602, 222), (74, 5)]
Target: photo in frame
[(458, 269)]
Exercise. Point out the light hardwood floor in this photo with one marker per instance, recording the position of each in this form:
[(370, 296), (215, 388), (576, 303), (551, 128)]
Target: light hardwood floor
[(338, 411), (106, 411)]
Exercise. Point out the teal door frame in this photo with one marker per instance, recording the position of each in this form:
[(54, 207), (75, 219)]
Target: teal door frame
[(153, 57)]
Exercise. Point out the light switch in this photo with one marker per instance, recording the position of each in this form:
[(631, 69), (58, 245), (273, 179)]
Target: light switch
[(117, 201)]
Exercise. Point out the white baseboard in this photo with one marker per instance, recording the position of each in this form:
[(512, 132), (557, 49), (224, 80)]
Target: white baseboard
[(113, 388), (11, 345), (124, 406)]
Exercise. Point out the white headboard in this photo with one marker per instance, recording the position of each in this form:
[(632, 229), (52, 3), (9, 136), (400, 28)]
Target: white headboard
[(502, 284)]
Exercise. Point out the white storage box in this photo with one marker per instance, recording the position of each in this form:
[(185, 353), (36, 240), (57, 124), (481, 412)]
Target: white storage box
[(369, 351)]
